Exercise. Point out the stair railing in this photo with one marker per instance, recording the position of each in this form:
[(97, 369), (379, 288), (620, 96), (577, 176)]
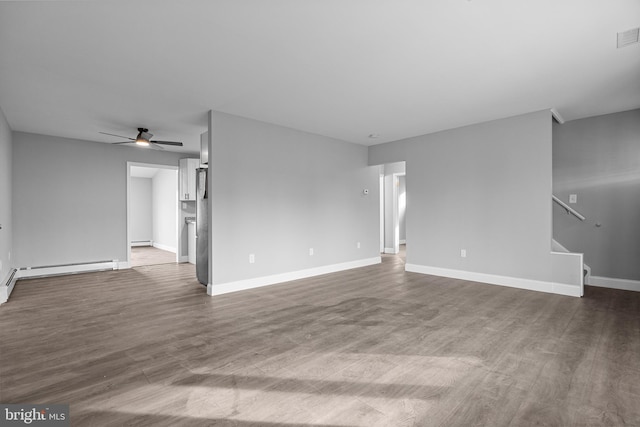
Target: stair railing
[(568, 208)]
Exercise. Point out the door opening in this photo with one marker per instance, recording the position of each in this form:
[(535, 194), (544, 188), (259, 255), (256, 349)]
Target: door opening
[(153, 234), (393, 196)]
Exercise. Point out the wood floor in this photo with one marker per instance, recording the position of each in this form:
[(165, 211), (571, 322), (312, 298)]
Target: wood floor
[(149, 255), (374, 346)]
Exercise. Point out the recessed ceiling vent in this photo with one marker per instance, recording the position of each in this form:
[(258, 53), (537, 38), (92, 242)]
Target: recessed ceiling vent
[(628, 37)]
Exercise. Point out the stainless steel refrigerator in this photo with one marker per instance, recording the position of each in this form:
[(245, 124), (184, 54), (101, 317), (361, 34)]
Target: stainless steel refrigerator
[(202, 228)]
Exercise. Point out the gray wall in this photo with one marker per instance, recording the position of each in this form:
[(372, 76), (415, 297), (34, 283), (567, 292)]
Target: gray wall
[(6, 233), (485, 188), (276, 192), (141, 220), (165, 206), (598, 159), (69, 201), (402, 207)]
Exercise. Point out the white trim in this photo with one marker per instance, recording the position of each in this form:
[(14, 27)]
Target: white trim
[(391, 251), (164, 247), (564, 289), (403, 241), (557, 247), (183, 258), (6, 286), (492, 279), (581, 263), (610, 282), (556, 115), (381, 183), (257, 282), (142, 243), (67, 269), (396, 212)]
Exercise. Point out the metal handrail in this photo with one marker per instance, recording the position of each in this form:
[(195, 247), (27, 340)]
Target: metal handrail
[(568, 208)]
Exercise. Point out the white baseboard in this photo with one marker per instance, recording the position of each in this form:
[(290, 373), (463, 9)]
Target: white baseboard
[(513, 282), (258, 282), (7, 285), (184, 258), (609, 282), (142, 243), (390, 251), (68, 269), (164, 247), (403, 242)]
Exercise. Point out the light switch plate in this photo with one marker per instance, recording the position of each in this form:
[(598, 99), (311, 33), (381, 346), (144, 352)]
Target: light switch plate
[(573, 198)]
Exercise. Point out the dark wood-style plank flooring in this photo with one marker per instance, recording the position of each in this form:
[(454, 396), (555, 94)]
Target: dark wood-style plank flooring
[(374, 346)]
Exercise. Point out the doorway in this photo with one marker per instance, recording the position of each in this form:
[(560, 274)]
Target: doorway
[(153, 235), (393, 208)]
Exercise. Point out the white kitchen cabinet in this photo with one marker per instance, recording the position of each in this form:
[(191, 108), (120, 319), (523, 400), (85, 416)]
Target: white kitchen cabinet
[(188, 179)]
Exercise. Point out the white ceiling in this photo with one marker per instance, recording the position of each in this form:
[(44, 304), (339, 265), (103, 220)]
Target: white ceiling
[(341, 68)]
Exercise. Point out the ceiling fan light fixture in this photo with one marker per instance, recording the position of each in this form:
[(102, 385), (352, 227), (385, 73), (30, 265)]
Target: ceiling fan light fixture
[(142, 139)]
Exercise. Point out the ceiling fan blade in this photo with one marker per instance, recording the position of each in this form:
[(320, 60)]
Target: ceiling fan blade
[(156, 146), (177, 144), (122, 142), (119, 136)]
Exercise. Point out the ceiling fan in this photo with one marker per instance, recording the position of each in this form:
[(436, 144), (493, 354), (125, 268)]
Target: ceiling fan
[(144, 139)]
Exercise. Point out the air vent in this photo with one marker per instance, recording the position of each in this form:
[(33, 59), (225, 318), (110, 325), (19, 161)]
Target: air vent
[(628, 37)]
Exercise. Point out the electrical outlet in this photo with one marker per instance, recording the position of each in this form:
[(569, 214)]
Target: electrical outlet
[(358, 245), (573, 198), (463, 253), (310, 251), (252, 258)]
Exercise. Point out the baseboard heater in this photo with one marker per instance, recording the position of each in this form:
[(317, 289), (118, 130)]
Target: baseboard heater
[(7, 287), (73, 268)]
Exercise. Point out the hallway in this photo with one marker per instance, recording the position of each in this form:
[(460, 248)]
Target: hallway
[(148, 255)]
